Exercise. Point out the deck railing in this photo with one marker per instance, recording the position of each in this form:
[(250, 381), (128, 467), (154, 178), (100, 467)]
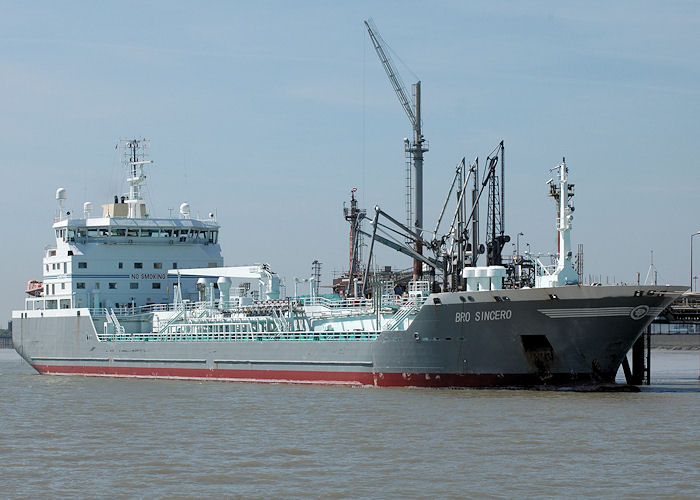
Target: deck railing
[(233, 336)]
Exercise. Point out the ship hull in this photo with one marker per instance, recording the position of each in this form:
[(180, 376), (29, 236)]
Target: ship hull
[(563, 337), (341, 378)]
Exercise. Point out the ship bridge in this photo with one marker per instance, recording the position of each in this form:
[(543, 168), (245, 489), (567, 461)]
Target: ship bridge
[(117, 230)]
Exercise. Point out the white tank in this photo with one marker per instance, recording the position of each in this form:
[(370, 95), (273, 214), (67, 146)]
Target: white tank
[(61, 194), (496, 275), (482, 278), (469, 274)]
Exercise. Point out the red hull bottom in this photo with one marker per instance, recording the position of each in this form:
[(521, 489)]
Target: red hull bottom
[(359, 379)]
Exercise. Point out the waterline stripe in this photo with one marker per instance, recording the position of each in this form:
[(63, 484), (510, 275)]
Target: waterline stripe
[(586, 312), (58, 358), (292, 362), (157, 360)]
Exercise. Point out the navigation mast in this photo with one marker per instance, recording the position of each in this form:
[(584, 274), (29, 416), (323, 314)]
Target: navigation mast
[(134, 158)]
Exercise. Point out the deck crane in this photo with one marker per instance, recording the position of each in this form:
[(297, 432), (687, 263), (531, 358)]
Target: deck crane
[(415, 148)]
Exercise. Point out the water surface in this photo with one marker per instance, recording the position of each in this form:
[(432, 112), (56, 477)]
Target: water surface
[(68, 436)]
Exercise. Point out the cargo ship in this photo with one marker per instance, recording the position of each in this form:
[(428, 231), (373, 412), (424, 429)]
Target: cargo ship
[(125, 294)]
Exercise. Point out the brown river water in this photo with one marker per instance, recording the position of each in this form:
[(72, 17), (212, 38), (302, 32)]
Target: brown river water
[(68, 437)]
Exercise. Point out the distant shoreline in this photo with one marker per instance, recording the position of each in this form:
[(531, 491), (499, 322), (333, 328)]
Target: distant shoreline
[(676, 342)]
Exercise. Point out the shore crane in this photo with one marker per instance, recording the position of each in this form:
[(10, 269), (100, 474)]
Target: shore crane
[(415, 147)]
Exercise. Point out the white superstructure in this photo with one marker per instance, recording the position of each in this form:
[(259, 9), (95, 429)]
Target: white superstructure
[(121, 258)]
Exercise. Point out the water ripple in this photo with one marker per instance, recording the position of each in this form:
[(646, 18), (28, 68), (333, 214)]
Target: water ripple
[(118, 438)]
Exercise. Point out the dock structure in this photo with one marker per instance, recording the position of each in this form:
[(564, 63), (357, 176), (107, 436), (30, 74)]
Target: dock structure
[(5, 342), (680, 321), (684, 313)]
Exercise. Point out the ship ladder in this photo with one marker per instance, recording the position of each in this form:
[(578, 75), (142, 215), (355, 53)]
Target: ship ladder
[(112, 318), (171, 321), (398, 318), (281, 325)]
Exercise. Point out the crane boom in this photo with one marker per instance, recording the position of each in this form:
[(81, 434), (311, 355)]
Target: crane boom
[(391, 72), (415, 148)]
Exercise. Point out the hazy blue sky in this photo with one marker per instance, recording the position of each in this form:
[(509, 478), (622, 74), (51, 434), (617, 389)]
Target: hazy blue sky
[(270, 112)]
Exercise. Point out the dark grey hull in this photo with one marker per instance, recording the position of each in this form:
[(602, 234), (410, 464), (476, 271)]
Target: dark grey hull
[(565, 336)]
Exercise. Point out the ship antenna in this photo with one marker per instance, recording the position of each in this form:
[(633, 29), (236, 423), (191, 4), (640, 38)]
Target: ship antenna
[(134, 158)]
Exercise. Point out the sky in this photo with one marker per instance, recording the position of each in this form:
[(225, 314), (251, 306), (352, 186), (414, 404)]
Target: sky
[(268, 113)]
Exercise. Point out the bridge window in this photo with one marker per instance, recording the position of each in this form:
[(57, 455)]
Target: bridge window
[(82, 265), (174, 265), (157, 265), (138, 265), (121, 265), (132, 233), (80, 286), (112, 286), (155, 285), (133, 285)]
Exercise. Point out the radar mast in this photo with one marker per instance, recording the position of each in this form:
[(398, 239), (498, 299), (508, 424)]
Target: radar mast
[(135, 160)]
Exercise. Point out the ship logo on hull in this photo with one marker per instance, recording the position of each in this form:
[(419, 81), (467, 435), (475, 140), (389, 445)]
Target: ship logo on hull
[(635, 313), (639, 312)]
